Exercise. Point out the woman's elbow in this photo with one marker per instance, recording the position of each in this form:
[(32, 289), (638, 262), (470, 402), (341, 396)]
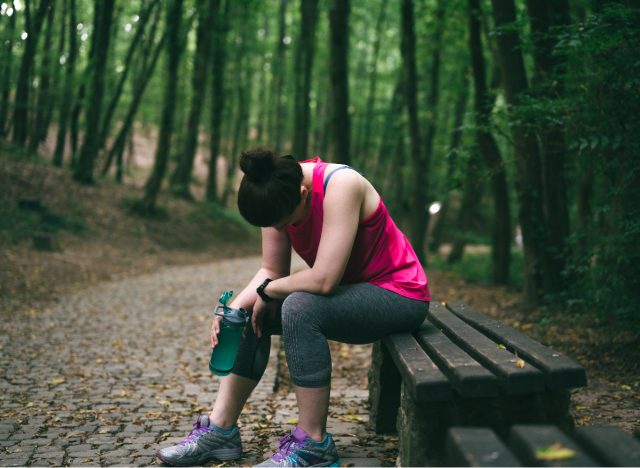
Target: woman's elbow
[(327, 286)]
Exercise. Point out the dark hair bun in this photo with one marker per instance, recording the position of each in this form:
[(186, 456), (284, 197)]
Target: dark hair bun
[(258, 164)]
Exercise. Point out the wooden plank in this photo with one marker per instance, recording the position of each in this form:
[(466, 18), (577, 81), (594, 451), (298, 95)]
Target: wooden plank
[(477, 446), (561, 372), (468, 377), (422, 377), (513, 380), (526, 441), (609, 445)]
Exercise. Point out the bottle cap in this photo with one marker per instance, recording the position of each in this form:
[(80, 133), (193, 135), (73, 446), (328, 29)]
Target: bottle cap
[(233, 316)]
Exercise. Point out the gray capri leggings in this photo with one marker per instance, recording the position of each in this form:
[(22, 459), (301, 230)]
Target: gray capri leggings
[(356, 314)]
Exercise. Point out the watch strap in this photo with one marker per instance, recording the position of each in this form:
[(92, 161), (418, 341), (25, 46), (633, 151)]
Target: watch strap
[(260, 290)]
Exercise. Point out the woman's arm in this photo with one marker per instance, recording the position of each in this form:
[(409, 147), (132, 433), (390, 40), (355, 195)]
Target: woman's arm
[(342, 206), (276, 263)]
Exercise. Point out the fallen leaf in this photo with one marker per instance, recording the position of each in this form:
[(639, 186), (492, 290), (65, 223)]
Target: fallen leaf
[(520, 363), (625, 387), (292, 421), (554, 452), (501, 346)]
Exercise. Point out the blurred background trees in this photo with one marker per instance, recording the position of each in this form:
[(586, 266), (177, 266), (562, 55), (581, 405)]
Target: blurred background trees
[(509, 124)]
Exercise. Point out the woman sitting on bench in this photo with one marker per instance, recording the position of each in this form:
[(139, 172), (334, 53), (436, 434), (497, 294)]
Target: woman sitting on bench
[(364, 282)]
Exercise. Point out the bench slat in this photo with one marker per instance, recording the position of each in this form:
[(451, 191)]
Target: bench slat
[(477, 446), (560, 371), (526, 440), (513, 379), (426, 381), (467, 376), (610, 445)]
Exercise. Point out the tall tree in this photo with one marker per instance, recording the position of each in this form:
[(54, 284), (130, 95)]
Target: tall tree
[(143, 19), (303, 67), (433, 94), (83, 171), (419, 198), (44, 98), (483, 105), (276, 131), (33, 26), (339, 71), (243, 88), (7, 70), (67, 93), (174, 51), (218, 62), (181, 177), (150, 59), (528, 170), (545, 18)]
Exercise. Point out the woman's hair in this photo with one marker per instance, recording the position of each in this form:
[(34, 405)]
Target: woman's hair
[(270, 188)]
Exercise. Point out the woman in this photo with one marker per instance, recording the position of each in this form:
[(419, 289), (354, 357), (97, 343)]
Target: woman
[(364, 282)]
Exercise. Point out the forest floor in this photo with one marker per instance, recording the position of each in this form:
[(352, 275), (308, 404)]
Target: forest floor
[(89, 238)]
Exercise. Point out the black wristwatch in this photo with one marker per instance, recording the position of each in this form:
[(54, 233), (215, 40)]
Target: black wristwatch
[(261, 293)]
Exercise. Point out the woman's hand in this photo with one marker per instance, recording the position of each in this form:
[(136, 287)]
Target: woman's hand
[(215, 329), (257, 317)]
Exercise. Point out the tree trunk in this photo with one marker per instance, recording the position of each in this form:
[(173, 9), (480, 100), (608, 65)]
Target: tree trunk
[(174, 51), (483, 105), (83, 171), (66, 103), (544, 16), (432, 99), (218, 61), (181, 177), (338, 70), (303, 69), (419, 198), (392, 129), (21, 104), (277, 126), (242, 92), (44, 98), (263, 95), (528, 170), (6, 71)]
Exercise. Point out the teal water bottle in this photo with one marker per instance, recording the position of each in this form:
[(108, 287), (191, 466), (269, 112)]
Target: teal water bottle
[(232, 325)]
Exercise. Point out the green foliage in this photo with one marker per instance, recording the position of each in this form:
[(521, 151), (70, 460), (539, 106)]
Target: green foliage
[(17, 224), (601, 112), (476, 266)]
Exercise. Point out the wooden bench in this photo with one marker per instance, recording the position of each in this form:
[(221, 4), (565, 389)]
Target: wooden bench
[(463, 368), (542, 445)]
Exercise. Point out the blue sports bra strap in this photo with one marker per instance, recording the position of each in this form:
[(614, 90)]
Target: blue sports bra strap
[(326, 181)]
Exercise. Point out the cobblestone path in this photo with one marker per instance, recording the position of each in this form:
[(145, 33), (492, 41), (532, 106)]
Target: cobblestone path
[(107, 375)]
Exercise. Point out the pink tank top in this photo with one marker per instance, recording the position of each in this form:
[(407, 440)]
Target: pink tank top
[(381, 253)]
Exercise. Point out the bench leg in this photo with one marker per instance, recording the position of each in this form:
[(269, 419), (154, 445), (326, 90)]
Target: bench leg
[(384, 391), (422, 431), (557, 405)]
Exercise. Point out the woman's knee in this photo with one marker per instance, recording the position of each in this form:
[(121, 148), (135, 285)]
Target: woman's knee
[(299, 308)]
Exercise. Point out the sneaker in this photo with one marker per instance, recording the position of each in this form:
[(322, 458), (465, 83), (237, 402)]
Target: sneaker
[(204, 443), (298, 449)]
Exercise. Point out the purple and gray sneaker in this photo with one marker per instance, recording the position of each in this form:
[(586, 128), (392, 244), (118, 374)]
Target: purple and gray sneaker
[(205, 442), (298, 449)]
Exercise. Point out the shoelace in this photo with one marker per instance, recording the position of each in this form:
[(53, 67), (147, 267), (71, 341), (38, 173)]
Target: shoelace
[(287, 444), (195, 433)]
